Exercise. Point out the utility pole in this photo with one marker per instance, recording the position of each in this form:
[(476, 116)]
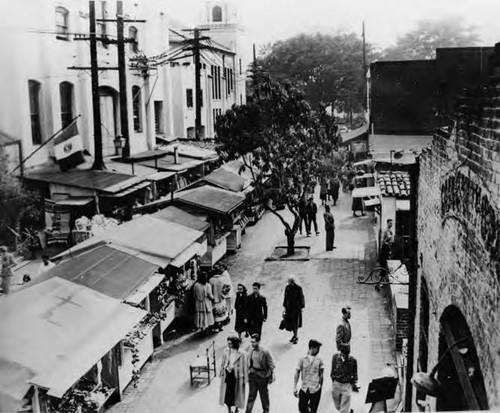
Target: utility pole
[(122, 79), (196, 48), (364, 50), (197, 83), (94, 70), (94, 74)]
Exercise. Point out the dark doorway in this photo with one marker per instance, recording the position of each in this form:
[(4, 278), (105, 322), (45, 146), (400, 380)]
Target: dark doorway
[(459, 370)]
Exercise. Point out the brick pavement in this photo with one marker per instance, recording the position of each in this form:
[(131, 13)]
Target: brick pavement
[(329, 282)]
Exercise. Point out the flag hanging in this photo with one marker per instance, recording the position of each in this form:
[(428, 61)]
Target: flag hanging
[(68, 147)]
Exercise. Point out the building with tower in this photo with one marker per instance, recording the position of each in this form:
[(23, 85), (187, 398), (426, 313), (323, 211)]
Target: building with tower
[(223, 70)]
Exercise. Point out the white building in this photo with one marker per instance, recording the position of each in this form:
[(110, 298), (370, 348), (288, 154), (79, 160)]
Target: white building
[(40, 94), (223, 71)]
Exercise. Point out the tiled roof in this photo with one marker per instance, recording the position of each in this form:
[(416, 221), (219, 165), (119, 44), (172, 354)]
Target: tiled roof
[(396, 184)]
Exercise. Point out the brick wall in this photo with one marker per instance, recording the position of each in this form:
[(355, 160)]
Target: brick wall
[(402, 318), (459, 230)]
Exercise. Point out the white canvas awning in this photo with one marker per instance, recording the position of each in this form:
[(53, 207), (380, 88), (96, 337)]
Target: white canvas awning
[(145, 289), (188, 253)]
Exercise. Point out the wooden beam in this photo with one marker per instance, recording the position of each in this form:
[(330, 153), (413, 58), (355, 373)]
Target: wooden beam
[(463, 376)]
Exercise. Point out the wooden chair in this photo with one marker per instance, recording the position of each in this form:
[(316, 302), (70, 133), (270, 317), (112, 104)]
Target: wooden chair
[(204, 366)]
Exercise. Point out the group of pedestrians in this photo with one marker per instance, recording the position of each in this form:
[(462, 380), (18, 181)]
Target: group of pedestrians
[(213, 300), (329, 188), (256, 368)]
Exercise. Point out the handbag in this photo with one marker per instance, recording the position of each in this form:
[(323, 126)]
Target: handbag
[(283, 322)]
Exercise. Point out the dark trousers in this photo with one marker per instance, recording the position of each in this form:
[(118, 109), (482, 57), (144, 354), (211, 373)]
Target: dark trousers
[(330, 239), (255, 327), (257, 384), (309, 402), (302, 220), (311, 219)]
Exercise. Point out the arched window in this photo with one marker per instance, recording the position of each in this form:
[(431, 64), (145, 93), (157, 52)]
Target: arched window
[(217, 14), (36, 125), (133, 34), (62, 17), (136, 108), (66, 97)]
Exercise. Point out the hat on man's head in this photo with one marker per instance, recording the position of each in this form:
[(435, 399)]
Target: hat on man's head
[(314, 343), (3, 248)]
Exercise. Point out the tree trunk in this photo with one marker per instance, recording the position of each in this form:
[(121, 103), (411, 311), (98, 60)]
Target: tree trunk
[(290, 243)]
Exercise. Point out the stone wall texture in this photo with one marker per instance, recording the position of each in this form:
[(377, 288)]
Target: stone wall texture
[(459, 231)]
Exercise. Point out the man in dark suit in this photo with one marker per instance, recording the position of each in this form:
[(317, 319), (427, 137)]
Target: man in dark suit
[(256, 310)]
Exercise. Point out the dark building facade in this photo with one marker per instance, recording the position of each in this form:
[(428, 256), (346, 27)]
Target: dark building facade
[(458, 278), (414, 97)]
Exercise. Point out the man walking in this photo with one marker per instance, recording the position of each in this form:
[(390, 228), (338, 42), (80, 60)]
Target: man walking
[(302, 207), (260, 374), (344, 376), (311, 369), (343, 333), (256, 310), (311, 210)]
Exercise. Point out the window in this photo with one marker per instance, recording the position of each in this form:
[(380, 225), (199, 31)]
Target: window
[(132, 34), (212, 71), (66, 97), (36, 127), (101, 26), (136, 108), (158, 116), (62, 16), (216, 14), (189, 98)]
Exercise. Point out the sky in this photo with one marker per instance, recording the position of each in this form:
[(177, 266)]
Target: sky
[(271, 20)]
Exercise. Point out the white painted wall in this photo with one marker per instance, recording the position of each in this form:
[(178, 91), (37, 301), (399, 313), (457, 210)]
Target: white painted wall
[(30, 50)]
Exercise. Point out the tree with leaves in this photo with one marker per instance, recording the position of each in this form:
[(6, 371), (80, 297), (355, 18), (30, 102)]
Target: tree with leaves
[(328, 68), (20, 207), (422, 42), (282, 142)]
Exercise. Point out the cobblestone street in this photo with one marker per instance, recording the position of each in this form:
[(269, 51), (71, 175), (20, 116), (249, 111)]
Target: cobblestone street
[(329, 282)]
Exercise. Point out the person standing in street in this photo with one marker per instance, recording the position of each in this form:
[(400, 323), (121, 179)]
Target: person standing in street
[(233, 376), (311, 369), (387, 242), (293, 303), (329, 228), (260, 375), (240, 307), (256, 313), (344, 377), (334, 189), (8, 262), (311, 211), (343, 332), (302, 207), (203, 297), (323, 191)]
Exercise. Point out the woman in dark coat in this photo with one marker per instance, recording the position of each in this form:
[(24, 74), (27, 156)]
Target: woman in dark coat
[(240, 308), (293, 304)]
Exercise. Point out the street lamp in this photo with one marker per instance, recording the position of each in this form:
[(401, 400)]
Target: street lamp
[(427, 383), (119, 144)]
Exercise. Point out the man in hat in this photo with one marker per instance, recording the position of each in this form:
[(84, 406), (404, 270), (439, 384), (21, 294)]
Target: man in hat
[(311, 211), (310, 368), (344, 376), (343, 333), (8, 262)]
